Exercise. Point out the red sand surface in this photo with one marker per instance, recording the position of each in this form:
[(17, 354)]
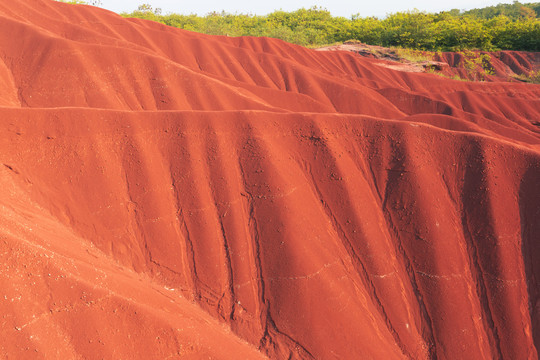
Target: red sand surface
[(497, 66), (166, 194)]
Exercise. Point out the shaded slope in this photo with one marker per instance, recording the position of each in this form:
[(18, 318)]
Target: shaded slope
[(317, 204), (388, 263)]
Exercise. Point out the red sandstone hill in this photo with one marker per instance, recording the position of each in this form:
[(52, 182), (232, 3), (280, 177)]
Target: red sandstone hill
[(166, 194)]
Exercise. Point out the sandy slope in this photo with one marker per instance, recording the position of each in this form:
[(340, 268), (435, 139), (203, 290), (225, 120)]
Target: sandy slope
[(171, 194), (503, 65)]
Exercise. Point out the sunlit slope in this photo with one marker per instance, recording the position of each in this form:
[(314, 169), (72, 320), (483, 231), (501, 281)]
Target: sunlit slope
[(314, 205)]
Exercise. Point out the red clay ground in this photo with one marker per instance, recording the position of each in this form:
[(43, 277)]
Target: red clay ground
[(166, 194), (508, 66)]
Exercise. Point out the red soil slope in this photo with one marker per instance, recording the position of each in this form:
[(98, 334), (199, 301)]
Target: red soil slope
[(501, 65), (469, 65), (166, 194)]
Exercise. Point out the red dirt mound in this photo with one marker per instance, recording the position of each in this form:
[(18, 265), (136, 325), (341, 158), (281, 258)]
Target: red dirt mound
[(510, 66), (166, 194)]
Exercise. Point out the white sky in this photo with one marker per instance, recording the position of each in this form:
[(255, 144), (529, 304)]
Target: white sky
[(345, 8)]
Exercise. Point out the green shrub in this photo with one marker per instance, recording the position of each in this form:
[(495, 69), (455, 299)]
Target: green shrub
[(446, 31)]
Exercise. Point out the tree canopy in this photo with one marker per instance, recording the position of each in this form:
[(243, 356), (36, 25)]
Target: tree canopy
[(505, 26)]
